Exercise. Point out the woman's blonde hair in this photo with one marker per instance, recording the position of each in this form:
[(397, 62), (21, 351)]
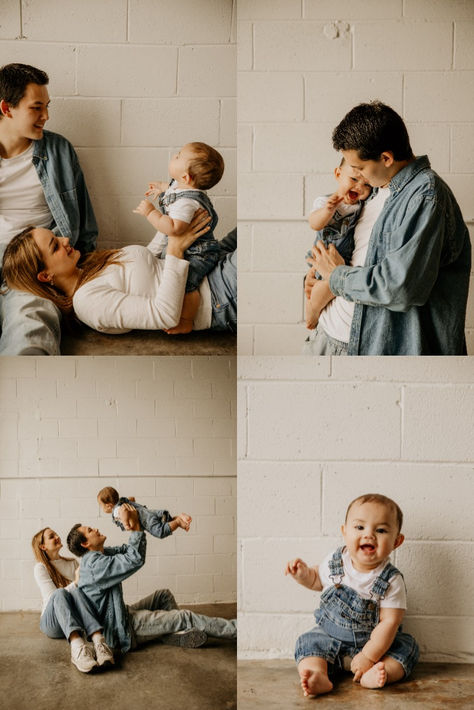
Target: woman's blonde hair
[(41, 555), (22, 262)]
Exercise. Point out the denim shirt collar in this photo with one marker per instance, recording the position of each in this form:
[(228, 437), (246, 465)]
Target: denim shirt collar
[(407, 173), (39, 149)]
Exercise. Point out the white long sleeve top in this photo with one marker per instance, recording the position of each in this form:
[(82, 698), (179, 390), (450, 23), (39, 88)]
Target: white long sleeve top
[(46, 584), (141, 292)]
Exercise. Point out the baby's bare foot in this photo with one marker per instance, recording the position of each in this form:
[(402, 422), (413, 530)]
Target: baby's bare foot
[(314, 682), (375, 677)]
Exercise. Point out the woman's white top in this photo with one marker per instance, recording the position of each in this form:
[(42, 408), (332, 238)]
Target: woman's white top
[(362, 582), (141, 292), (46, 584)]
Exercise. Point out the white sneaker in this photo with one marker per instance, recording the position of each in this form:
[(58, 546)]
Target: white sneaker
[(83, 658), (103, 653), (193, 638)]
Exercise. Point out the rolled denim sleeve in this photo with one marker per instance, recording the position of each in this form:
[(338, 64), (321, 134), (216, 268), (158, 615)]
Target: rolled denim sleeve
[(405, 276), (88, 226), (116, 564)]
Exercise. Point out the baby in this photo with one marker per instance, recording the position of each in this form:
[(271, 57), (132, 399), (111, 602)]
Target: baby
[(158, 523), (331, 217), (197, 167), (362, 604)]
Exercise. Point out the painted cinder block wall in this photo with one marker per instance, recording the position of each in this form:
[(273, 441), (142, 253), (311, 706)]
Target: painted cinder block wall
[(130, 82), (315, 434), (160, 429), (302, 65)]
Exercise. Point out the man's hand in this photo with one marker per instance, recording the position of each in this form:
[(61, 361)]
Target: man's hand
[(155, 189), (144, 208), (325, 260), (183, 521), (359, 665), (129, 517)]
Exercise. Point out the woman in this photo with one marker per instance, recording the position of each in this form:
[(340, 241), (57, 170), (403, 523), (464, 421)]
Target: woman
[(66, 611), (117, 290)]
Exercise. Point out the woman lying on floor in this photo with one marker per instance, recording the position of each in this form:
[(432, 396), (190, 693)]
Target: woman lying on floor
[(117, 290), (66, 611)]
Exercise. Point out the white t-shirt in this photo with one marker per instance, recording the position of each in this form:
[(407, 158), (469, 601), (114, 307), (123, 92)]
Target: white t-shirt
[(342, 210), (141, 292), (22, 200), (336, 318), (46, 584), (362, 582)]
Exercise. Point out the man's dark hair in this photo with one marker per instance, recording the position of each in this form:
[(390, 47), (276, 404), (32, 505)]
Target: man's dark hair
[(74, 540), (14, 78), (371, 129)]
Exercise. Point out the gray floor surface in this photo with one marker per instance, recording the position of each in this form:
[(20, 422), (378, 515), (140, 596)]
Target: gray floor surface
[(274, 685), (36, 672), (85, 341)]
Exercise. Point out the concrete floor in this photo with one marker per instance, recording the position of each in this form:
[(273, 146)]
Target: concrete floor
[(85, 341), (36, 672), (275, 685)]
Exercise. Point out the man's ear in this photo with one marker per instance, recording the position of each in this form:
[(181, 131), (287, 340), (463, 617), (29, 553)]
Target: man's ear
[(44, 277), (85, 544), (5, 107), (388, 159), (398, 541)]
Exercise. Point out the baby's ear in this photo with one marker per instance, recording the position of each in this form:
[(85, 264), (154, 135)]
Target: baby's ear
[(398, 540)]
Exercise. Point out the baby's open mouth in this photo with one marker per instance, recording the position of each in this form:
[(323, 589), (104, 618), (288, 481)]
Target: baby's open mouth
[(353, 195), (367, 548)]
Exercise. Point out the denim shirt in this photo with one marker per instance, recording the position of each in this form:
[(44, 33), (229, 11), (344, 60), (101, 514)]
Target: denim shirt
[(100, 578), (411, 295), (65, 190)]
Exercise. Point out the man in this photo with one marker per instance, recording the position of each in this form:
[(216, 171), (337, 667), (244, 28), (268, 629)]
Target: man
[(41, 183), (101, 574), (405, 292)]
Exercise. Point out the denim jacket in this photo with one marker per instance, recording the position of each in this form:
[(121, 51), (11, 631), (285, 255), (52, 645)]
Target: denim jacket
[(100, 578), (410, 297), (65, 190)]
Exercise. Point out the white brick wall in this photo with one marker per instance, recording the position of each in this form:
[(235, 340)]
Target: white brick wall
[(313, 436), (302, 65), (130, 82), (159, 429)]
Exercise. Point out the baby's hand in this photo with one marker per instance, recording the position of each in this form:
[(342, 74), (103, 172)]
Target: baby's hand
[(144, 208), (155, 189), (333, 202), (183, 521), (298, 569), (359, 665)]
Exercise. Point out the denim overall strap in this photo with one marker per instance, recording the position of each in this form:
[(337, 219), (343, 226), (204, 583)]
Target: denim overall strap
[(198, 195), (336, 567), (382, 582)]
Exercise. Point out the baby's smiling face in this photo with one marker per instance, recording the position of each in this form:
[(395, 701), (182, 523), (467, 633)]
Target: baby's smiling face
[(371, 533), (352, 185)]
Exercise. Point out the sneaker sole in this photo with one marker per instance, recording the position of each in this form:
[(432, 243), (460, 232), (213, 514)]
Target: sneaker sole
[(187, 639)]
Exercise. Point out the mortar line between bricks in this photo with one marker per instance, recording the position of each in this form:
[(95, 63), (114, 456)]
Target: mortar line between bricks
[(365, 461), (359, 383)]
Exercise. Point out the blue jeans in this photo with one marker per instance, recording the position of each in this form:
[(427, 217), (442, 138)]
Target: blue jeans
[(68, 611), (320, 343), (158, 614), (223, 285), (30, 325), (202, 257)]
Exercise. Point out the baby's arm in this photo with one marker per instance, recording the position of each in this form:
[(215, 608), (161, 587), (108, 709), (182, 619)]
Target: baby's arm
[(180, 521), (319, 218), (304, 575), (380, 641), (161, 222)]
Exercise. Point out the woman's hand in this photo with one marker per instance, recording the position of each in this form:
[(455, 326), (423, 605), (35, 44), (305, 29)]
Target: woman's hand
[(325, 260), (197, 227)]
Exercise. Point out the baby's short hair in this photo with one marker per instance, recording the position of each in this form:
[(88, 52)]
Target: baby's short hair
[(378, 498), (207, 166), (108, 495)]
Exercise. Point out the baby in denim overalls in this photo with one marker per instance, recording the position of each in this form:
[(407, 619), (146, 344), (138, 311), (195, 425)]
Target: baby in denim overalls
[(196, 168), (331, 217), (158, 523), (362, 604)]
